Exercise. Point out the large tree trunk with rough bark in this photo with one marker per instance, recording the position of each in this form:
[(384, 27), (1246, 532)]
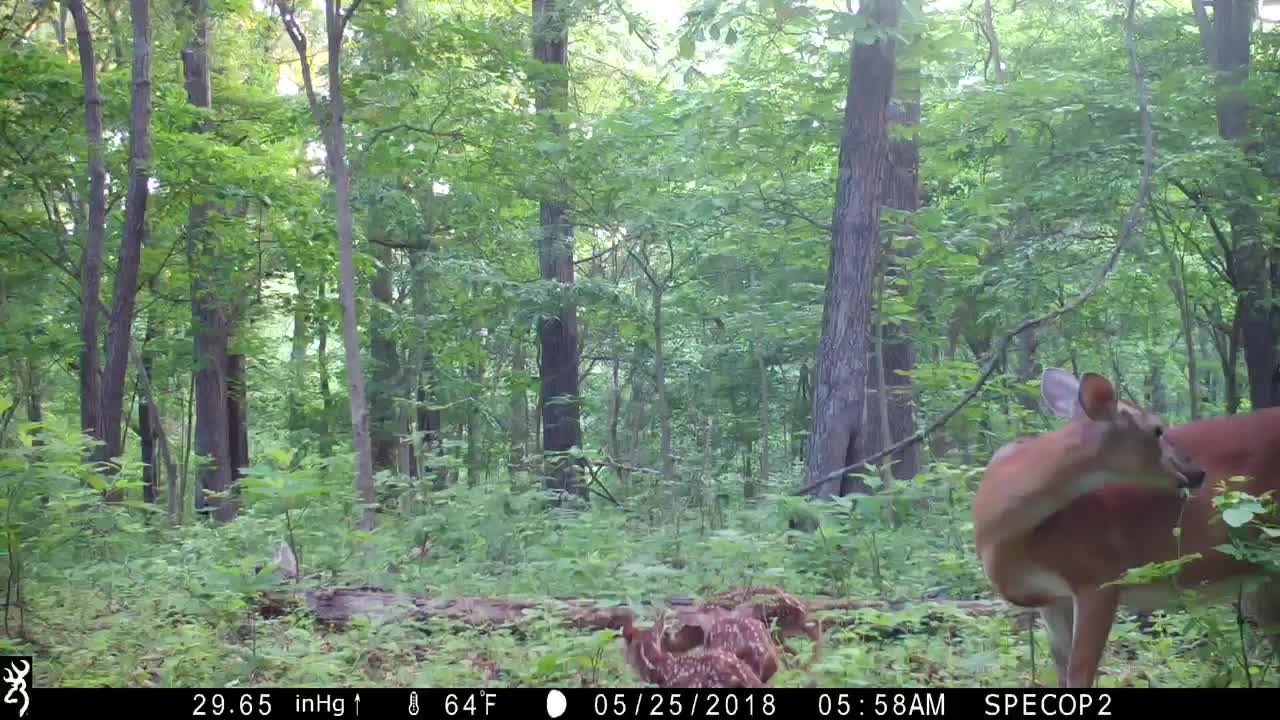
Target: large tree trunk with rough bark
[(95, 232), (135, 236), (210, 324), (891, 397), (840, 390), (1226, 41), (558, 332)]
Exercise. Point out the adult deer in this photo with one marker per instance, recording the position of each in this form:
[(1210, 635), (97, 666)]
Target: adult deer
[(1057, 516)]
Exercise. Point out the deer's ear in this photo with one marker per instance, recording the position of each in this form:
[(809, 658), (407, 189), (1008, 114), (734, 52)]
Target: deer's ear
[(1097, 397), (1060, 391)]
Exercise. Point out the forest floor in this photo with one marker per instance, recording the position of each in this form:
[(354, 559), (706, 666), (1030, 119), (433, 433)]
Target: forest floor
[(116, 598)]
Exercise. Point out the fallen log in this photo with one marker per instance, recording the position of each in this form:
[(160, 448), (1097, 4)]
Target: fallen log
[(338, 606)]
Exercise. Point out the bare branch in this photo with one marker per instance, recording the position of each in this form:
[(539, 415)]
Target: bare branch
[(299, 39), (1127, 229)]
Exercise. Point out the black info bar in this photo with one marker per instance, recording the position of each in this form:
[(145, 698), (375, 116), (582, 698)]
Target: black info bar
[(572, 703)]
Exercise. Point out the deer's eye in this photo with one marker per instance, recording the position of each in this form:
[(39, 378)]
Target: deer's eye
[(1159, 431)]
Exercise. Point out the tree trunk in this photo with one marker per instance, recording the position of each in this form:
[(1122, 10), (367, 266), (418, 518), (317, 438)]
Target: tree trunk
[(91, 257), (660, 380), (422, 364), (147, 421), (557, 333), (475, 384), (385, 370), (237, 416), (615, 405), (765, 430), (322, 361), (35, 411), (113, 29), (1178, 287), (135, 236), (890, 403), (840, 390), (519, 405), (1227, 45), (298, 354), (347, 268), (211, 328)]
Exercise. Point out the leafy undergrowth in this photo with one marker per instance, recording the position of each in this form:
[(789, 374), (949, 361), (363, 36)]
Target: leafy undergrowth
[(117, 597)]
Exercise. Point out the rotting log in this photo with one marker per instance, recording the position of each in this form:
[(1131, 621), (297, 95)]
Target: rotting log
[(338, 606)]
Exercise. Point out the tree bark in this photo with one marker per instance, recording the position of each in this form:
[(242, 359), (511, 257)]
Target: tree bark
[(147, 420), (91, 256), (386, 371), (894, 403), (558, 333), (475, 383), (1226, 42), (322, 361), (840, 390), (660, 381), (765, 430), (422, 364), (209, 318), (518, 441), (336, 23), (135, 236), (237, 415), (298, 354)]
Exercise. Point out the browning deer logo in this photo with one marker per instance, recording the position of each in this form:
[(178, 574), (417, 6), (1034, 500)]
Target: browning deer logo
[(17, 680)]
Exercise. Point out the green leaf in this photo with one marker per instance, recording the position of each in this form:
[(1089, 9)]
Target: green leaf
[(686, 46), (1237, 516)]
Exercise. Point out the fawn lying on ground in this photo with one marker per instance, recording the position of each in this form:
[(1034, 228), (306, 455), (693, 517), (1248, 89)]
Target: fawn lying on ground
[(711, 668), (779, 610), (735, 631)]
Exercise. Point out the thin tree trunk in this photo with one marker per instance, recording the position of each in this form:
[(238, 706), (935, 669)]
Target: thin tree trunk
[(765, 429), (135, 236), (518, 442), (1178, 287), (558, 333), (237, 415), (615, 406), (660, 380), (839, 394), (113, 28), (298, 354), (91, 257), (333, 132), (326, 394), (148, 392), (146, 424), (347, 270), (475, 383)]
